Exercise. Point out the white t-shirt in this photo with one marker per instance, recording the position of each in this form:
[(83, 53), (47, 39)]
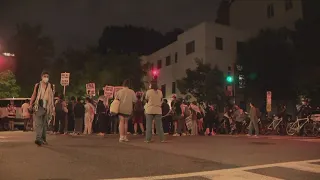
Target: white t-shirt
[(25, 110), (154, 99)]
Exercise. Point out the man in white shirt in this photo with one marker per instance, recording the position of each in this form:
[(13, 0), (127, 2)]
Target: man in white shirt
[(26, 114)]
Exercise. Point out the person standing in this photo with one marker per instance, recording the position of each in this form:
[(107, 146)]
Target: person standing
[(253, 121), (154, 112), (61, 111), (70, 107), (26, 114), (42, 99), (211, 119), (12, 110), (102, 118), (165, 116), (138, 114), (88, 116), (127, 98), (79, 112)]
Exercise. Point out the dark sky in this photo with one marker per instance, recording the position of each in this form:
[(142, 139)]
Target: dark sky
[(80, 22)]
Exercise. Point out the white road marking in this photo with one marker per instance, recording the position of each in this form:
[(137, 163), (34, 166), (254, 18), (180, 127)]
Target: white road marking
[(238, 173)]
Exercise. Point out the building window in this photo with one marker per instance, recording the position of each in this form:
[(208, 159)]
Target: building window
[(163, 89), (239, 47), (219, 43), (173, 87), (288, 4), (168, 60), (159, 64), (190, 47), (270, 11), (176, 57)]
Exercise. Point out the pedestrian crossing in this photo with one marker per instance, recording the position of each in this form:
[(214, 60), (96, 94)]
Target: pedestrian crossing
[(311, 167)]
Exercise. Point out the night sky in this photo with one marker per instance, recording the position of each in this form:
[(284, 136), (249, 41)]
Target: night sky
[(80, 22)]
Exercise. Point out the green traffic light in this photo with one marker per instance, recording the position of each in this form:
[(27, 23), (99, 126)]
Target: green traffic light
[(229, 79)]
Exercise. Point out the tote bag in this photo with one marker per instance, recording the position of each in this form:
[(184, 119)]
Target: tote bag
[(114, 107)]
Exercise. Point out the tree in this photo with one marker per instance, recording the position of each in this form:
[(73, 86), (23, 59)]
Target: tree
[(33, 52), (8, 85), (268, 63), (204, 83)]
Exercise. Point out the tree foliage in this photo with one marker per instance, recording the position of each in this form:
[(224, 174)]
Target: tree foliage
[(33, 52), (204, 83), (8, 85)]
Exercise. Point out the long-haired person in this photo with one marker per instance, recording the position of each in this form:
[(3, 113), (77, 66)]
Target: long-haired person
[(88, 116), (154, 112), (127, 98), (138, 115)]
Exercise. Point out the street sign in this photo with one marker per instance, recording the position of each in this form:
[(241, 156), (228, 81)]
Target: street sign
[(65, 77), (91, 89), (108, 91), (269, 100)]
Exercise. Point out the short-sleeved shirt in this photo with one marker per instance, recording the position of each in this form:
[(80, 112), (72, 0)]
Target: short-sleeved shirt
[(154, 99), (126, 97), (25, 110)]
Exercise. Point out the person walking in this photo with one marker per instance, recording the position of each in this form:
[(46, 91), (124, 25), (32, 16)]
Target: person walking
[(42, 99), (88, 116), (154, 112), (253, 121), (127, 98), (79, 112)]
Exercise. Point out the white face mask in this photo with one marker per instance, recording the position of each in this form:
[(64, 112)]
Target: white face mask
[(45, 79)]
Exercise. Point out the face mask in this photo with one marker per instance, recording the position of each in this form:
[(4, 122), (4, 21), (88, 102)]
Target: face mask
[(45, 80)]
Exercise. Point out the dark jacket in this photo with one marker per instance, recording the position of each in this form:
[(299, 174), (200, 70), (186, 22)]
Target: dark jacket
[(79, 110), (165, 108)]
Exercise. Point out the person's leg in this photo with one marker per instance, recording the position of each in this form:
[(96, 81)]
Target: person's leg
[(141, 127), (149, 119), (44, 128), (135, 127), (66, 123), (126, 121), (153, 127), (159, 127), (250, 127), (256, 127), (25, 124), (86, 120), (90, 124), (62, 122), (39, 128), (121, 127)]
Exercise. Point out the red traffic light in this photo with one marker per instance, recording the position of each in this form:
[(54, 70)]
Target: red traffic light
[(155, 72)]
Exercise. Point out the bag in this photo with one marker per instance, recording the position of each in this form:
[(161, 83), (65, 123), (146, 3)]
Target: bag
[(187, 112), (189, 122), (114, 107)]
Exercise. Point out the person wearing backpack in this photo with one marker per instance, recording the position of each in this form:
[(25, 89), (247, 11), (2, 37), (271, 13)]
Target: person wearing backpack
[(61, 115), (138, 115), (43, 107)]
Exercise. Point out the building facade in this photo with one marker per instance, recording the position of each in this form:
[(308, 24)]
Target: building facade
[(209, 42), (218, 44)]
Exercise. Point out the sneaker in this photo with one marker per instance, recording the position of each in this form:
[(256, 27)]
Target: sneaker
[(45, 143), (135, 134), (147, 141), (163, 141), (37, 142), (184, 134), (249, 135), (256, 136), (121, 140), (165, 133), (176, 134), (126, 139)]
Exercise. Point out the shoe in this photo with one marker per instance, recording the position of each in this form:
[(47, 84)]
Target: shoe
[(184, 134), (163, 141), (135, 134), (176, 134), (44, 142), (126, 139), (256, 136), (147, 141), (249, 135), (121, 140), (37, 142)]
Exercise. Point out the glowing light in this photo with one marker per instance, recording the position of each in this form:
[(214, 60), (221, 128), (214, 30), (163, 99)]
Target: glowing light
[(8, 54)]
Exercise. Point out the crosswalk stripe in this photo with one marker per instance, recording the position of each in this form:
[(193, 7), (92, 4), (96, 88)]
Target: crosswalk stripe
[(238, 173)]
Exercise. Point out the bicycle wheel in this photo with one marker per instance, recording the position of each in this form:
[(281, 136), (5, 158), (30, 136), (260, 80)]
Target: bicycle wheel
[(309, 129), (268, 130), (291, 128)]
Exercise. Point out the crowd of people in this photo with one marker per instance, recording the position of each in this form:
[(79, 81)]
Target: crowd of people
[(149, 112)]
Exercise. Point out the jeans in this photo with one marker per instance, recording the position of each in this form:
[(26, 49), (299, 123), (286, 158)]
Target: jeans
[(165, 122), (41, 123), (181, 125), (158, 121), (254, 124)]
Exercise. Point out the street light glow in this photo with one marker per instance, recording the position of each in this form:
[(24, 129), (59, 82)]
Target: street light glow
[(8, 54)]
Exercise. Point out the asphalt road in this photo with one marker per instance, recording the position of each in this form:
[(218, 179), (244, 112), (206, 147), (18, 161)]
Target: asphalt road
[(192, 157)]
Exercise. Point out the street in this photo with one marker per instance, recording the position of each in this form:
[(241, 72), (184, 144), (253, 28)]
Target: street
[(192, 157)]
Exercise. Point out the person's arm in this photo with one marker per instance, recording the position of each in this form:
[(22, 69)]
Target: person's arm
[(64, 107), (33, 97)]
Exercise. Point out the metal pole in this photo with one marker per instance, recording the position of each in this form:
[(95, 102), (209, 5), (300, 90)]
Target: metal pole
[(64, 90)]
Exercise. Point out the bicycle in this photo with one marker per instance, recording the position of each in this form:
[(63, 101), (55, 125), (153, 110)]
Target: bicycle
[(295, 127), (275, 126)]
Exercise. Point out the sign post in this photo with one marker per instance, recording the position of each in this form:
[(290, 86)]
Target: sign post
[(65, 79), (269, 99)]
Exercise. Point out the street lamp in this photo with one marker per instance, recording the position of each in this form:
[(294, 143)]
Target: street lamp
[(8, 54)]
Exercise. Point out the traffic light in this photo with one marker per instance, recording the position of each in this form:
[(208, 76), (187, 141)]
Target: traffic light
[(229, 79), (155, 73)]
